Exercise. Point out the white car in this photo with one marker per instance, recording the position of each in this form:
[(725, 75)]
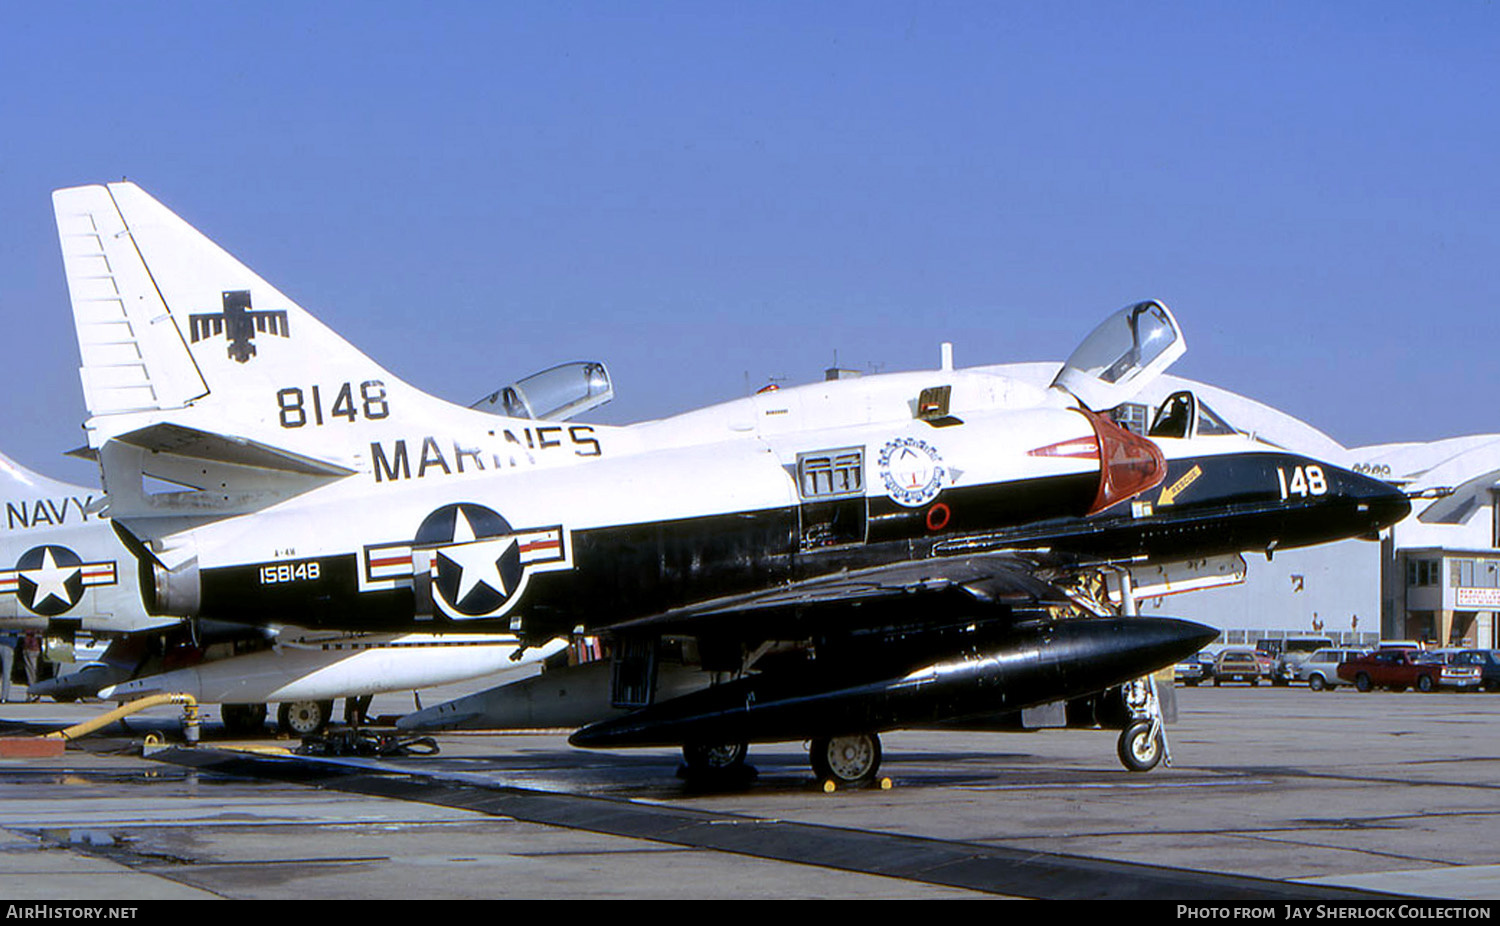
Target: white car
[(1321, 669)]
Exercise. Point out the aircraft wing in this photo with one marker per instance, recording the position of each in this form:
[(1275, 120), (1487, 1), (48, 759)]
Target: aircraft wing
[(959, 588)]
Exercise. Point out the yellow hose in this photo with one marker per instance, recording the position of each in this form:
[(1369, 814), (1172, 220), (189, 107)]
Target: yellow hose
[(189, 716)]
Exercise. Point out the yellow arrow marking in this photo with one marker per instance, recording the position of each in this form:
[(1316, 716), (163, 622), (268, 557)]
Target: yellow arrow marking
[(1169, 494)]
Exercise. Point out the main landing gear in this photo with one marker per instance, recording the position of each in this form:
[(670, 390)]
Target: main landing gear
[(846, 761), (716, 765), (850, 761), (304, 718)]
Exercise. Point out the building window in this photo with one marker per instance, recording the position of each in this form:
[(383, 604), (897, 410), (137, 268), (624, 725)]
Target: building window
[(1423, 572), (1461, 573)]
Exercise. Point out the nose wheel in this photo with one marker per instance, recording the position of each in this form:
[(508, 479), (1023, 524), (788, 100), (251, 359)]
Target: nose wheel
[(1143, 743), (1141, 746)]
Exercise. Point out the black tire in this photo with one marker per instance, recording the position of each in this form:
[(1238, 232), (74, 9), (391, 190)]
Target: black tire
[(240, 719), (1316, 682), (1363, 683), (848, 761), (1138, 750), (714, 759), (304, 718), (1425, 684)]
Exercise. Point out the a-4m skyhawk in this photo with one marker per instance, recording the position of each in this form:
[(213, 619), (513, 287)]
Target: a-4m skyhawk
[(828, 561)]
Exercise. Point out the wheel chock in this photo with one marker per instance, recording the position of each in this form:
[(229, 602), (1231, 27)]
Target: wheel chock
[(30, 747)]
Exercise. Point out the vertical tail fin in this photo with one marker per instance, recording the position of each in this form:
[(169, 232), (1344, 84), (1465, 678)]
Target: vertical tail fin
[(200, 374), (19, 483), (168, 320)]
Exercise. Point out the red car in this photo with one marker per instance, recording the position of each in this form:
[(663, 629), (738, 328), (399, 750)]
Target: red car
[(1400, 669)]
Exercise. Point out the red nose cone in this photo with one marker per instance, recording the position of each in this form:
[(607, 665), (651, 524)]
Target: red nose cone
[(1128, 463)]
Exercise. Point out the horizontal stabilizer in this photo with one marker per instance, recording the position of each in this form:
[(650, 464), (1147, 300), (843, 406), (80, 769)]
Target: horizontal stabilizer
[(219, 448), (169, 469)]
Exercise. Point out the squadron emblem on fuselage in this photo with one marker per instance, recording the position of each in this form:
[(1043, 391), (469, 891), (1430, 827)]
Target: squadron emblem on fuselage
[(912, 470)]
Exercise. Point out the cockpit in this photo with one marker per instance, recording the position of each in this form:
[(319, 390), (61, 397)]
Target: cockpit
[(1118, 358), (1183, 416), (555, 394)]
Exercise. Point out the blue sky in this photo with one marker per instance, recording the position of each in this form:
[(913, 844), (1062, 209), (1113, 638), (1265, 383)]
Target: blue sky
[(706, 195)]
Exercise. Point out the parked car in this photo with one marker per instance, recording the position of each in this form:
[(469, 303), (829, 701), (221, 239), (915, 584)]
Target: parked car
[(1401, 644), (1292, 652), (1321, 667), (1241, 665), (1488, 661), (1188, 672), (1400, 669)]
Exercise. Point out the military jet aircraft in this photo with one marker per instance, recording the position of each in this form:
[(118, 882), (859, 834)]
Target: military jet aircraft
[(71, 575), (68, 579), (836, 560)]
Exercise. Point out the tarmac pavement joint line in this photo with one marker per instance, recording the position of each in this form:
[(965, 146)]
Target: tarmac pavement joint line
[(970, 866)]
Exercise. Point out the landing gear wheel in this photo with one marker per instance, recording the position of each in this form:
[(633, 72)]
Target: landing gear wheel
[(240, 719), (1139, 749), (848, 761), (304, 718), (716, 766), (718, 758)]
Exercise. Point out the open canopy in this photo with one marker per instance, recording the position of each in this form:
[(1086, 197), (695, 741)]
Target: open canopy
[(1121, 356)]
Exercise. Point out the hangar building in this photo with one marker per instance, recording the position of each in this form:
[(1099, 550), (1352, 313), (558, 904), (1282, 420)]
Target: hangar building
[(1435, 577)]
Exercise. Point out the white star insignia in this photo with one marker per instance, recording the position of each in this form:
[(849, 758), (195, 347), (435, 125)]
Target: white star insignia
[(478, 560), (51, 580)]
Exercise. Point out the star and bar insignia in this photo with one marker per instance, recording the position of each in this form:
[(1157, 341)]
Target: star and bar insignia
[(478, 564), (49, 580)]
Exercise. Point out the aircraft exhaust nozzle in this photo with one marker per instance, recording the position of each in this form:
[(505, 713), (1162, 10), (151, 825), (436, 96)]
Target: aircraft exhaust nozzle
[(1046, 661), (177, 591)]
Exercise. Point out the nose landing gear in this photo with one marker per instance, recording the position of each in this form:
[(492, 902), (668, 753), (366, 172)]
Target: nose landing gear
[(1143, 743)]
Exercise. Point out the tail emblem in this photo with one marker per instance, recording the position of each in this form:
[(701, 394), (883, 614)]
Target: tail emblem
[(239, 323)]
